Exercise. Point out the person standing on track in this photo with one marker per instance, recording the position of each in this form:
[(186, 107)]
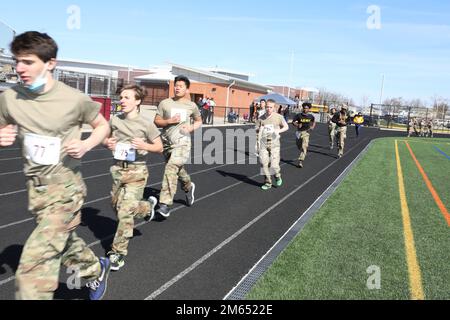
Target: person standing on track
[(132, 138), (47, 115), (268, 129), (305, 123), (174, 116)]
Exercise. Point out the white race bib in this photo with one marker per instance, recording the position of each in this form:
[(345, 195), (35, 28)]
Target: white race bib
[(181, 112), (269, 129), (125, 152), (41, 149)]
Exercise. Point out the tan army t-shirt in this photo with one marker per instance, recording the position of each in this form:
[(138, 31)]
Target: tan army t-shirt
[(47, 122), (266, 125), (169, 108), (125, 130)]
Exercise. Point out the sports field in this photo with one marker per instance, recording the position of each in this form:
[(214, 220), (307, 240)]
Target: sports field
[(384, 234)]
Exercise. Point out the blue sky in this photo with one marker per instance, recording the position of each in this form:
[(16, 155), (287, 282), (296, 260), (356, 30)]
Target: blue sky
[(333, 48)]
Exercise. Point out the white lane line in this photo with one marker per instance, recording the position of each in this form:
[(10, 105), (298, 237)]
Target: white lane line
[(181, 275), (3, 282), (15, 223), (10, 173), (267, 260), (107, 197)]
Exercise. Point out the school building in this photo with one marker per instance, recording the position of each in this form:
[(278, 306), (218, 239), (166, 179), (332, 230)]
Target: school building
[(102, 81), (229, 89)]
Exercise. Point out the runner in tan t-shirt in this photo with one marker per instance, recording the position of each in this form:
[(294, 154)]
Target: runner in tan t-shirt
[(174, 115), (47, 115), (132, 138), (268, 129)]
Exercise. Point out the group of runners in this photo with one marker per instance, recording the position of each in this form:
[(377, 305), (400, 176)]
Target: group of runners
[(46, 116)]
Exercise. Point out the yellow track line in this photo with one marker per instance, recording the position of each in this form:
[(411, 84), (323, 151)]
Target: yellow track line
[(415, 277)]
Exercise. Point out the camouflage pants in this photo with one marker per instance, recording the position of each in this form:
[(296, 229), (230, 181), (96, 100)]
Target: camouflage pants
[(269, 155), (303, 144), (176, 157), (54, 242), (332, 133), (127, 192), (342, 135)]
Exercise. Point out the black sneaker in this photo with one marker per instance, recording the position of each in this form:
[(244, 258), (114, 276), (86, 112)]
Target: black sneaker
[(190, 195), (163, 210), (153, 202), (117, 260)]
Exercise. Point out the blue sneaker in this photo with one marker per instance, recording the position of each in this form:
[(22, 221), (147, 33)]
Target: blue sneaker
[(97, 287)]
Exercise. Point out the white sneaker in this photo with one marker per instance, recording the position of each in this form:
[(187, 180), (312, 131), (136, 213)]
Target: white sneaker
[(153, 202), (190, 198)]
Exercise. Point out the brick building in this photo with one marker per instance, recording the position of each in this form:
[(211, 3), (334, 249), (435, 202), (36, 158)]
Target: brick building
[(228, 89)]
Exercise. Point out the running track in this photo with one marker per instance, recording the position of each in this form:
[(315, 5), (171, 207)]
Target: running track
[(199, 253)]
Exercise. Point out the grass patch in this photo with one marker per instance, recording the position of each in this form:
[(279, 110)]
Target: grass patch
[(361, 226)]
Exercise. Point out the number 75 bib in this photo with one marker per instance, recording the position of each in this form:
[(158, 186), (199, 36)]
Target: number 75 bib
[(41, 149), (125, 152)]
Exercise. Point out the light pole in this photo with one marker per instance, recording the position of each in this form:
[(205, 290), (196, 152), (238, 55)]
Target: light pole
[(291, 73), (382, 88), (9, 27)]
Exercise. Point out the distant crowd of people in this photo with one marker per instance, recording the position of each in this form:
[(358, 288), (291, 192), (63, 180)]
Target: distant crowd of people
[(421, 128), (206, 106)]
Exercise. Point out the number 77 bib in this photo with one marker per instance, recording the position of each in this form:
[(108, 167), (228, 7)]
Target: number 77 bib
[(42, 150)]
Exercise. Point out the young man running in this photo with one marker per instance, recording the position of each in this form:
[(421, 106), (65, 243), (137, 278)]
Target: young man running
[(305, 123), (268, 129), (132, 138), (47, 115), (174, 115)]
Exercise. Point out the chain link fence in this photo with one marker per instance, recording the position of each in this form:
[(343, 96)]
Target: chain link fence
[(403, 117)]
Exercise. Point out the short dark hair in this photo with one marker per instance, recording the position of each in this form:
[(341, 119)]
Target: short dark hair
[(271, 101), (183, 79), (33, 42), (139, 92), (307, 105)]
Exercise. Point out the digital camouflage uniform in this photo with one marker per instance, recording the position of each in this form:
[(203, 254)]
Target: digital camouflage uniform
[(269, 145), (56, 191), (130, 179), (177, 147), (331, 129), (341, 130)]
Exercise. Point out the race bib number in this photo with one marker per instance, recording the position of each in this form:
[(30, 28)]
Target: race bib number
[(42, 150), (269, 129), (179, 112), (125, 152)]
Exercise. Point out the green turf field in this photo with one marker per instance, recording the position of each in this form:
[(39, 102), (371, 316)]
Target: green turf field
[(360, 231)]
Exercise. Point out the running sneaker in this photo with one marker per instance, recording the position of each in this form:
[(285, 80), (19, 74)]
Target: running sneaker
[(151, 215), (190, 195), (98, 287)]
